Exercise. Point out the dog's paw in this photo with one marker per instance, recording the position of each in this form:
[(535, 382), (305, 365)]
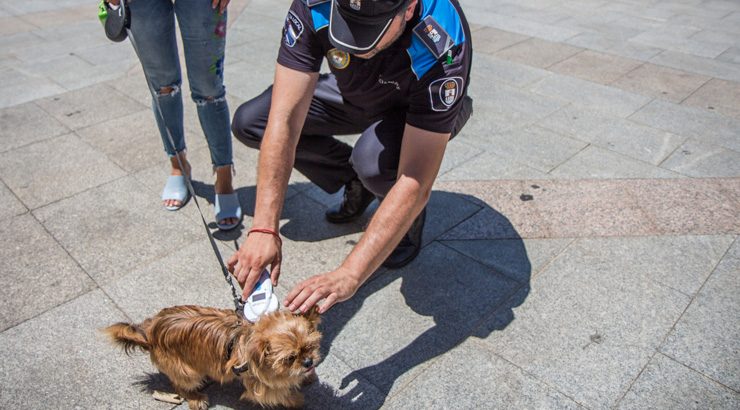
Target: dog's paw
[(198, 404)]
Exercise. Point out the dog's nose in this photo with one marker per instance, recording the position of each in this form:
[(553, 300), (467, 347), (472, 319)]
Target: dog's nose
[(307, 362)]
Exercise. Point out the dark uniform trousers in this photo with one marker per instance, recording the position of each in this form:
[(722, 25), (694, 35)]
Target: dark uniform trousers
[(323, 159)]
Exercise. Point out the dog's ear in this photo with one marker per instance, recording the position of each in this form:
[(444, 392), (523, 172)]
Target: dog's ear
[(258, 348), (313, 316)]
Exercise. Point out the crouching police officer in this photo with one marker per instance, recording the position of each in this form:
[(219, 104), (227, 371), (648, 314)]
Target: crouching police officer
[(399, 75)]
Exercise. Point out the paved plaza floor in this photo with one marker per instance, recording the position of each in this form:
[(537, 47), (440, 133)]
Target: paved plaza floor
[(581, 249)]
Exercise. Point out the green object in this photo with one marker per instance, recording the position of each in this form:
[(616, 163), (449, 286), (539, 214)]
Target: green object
[(102, 12), (449, 57)]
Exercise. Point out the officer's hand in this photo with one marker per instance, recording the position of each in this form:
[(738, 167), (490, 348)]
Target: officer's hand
[(335, 286), (221, 4), (257, 251)]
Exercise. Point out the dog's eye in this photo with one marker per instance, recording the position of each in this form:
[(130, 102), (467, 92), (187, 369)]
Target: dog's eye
[(291, 358)]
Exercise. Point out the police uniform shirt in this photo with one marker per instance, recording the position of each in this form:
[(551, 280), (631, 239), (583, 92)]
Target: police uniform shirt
[(424, 72)]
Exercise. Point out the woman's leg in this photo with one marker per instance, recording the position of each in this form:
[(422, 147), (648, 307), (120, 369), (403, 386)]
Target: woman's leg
[(153, 32), (203, 32)]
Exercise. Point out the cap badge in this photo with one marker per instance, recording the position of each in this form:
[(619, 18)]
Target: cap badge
[(355, 4)]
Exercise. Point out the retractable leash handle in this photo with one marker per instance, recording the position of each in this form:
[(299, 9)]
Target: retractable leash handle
[(238, 303), (262, 300)]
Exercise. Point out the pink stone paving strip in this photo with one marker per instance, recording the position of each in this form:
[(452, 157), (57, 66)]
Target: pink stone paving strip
[(596, 208)]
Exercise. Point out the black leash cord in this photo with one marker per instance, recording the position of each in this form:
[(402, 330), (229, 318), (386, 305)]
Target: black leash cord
[(238, 303)]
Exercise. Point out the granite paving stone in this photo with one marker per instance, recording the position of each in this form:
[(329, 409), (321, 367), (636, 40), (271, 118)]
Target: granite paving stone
[(698, 65), (596, 162), (537, 53), (488, 166), (335, 391), (535, 147), (500, 100), (505, 255), (60, 358), (717, 95), (706, 337), (133, 85), (88, 106), (9, 204), (612, 101), (689, 206), (732, 55), (595, 66), (523, 26), (458, 374), (696, 159), (132, 142), (74, 72), (667, 384), (26, 89), (601, 317), (14, 25), (26, 123), (615, 134), (23, 272), (702, 125), (417, 300), (151, 287), (487, 69), (680, 42), (120, 235), (660, 82), (51, 18), (492, 39), (607, 44), (456, 154), (32, 172)]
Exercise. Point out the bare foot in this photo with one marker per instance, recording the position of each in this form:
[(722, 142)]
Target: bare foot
[(177, 171)]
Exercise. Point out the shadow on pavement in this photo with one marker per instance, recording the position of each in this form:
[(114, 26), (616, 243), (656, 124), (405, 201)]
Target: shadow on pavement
[(464, 298), (461, 302)]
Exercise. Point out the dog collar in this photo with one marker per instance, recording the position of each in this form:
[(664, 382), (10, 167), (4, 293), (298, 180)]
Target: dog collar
[(229, 350)]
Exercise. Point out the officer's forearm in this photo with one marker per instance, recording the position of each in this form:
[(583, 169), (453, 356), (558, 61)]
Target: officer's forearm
[(291, 97), (393, 218), (273, 172)]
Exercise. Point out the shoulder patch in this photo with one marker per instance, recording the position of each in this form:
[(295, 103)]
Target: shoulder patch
[(444, 92), (311, 3), (433, 36), (292, 30)]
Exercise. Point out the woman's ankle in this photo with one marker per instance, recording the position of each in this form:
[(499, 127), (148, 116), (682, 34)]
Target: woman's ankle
[(224, 179)]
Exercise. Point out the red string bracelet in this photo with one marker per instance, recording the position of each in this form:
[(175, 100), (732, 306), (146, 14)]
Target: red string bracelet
[(268, 231)]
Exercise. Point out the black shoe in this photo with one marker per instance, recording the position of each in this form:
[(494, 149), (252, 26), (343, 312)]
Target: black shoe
[(356, 200), (410, 244)]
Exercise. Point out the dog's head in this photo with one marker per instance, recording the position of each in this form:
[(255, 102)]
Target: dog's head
[(283, 347)]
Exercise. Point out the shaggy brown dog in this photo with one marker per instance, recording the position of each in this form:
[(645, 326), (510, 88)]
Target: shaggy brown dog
[(272, 357)]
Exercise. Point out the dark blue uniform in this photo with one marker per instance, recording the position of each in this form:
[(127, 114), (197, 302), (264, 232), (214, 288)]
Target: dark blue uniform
[(421, 79)]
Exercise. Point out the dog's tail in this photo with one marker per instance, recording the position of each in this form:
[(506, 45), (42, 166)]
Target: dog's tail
[(128, 336)]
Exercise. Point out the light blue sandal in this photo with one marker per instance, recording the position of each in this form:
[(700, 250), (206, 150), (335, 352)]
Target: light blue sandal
[(227, 206), (175, 189)]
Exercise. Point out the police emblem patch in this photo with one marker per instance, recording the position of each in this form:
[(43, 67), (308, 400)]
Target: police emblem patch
[(292, 30), (444, 92), (433, 36), (355, 4), (432, 33), (338, 58)]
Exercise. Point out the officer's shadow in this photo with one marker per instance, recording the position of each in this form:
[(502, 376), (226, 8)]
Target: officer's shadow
[(463, 297)]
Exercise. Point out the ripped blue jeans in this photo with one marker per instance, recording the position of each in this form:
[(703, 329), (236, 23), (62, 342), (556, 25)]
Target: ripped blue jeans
[(203, 33)]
